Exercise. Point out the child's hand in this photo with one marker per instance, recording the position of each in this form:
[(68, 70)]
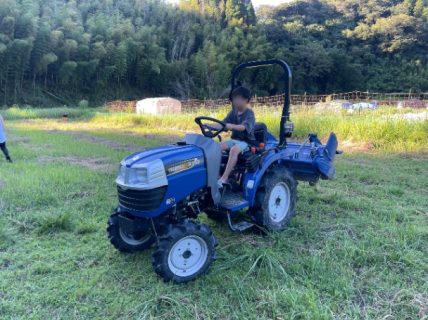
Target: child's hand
[(229, 126)]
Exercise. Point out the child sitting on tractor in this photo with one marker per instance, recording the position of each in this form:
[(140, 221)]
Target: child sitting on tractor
[(241, 122)]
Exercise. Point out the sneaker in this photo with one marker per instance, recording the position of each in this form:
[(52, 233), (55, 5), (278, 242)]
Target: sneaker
[(9, 159), (220, 183)]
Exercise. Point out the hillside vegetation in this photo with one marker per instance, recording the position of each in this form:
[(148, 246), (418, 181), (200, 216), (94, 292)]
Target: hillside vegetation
[(60, 52)]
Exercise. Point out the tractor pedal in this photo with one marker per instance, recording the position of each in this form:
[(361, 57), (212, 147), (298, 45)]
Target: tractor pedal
[(239, 226)]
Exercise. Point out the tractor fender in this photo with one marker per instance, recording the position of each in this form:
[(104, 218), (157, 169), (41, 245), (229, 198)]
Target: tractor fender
[(252, 180)]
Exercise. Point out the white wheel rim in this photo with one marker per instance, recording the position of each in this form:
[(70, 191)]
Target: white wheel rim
[(131, 240), (188, 256), (279, 202)]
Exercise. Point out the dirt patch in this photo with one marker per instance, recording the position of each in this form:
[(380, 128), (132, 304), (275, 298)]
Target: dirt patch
[(98, 140), (417, 156), (96, 164), (105, 142), (164, 138), (38, 147), (116, 145), (350, 146), (19, 139)]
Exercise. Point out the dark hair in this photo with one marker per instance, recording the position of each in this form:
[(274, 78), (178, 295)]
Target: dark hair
[(242, 92)]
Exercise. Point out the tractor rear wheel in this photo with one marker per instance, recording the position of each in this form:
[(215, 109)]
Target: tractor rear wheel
[(125, 241), (276, 200), (184, 251)]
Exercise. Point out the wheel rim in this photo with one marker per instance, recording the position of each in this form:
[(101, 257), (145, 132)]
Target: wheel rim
[(279, 202), (188, 256), (133, 240)]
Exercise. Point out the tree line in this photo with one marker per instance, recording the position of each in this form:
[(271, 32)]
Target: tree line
[(63, 51)]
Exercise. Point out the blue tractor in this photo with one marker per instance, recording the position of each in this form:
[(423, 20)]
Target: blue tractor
[(163, 190)]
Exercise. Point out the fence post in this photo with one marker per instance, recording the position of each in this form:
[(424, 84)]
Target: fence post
[(304, 100)]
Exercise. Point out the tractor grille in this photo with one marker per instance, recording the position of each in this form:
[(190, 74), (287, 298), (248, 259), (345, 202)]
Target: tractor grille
[(141, 200)]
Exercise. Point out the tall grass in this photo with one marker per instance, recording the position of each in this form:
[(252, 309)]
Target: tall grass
[(382, 129), (17, 113), (377, 129)]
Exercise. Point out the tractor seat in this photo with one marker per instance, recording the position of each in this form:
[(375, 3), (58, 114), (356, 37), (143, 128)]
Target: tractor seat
[(260, 132), (249, 159)]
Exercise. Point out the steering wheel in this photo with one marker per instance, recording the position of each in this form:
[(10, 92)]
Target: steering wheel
[(207, 130)]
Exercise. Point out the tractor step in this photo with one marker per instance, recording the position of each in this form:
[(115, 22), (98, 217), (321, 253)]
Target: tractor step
[(240, 225), (233, 201)]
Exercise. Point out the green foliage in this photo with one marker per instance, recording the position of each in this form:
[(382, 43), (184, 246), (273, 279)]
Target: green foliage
[(101, 50)]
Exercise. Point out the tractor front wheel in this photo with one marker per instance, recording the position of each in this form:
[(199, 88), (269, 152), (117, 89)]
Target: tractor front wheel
[(276, 200), (184, 251), (126, 241)]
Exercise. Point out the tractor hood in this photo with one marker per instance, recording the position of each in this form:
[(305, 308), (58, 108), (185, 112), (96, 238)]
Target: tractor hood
[(169, 154), (151, 168), (184, 167)]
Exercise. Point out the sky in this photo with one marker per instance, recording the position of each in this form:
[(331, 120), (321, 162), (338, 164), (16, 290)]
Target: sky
[(256, 3)]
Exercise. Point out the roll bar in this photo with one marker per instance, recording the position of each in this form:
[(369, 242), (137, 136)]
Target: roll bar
[(287, 90)]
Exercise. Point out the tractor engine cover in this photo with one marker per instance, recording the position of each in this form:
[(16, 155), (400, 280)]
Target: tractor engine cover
[(154, 180)]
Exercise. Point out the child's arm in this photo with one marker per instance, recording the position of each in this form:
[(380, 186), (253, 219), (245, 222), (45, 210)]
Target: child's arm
[(235, 127), (246, 125)]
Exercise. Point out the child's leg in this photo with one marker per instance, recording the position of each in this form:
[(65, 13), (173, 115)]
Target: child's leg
[(231, 162), (5, 151), (226, 145)]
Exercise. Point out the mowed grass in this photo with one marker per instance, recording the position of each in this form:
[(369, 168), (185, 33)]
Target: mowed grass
[(357, 249)]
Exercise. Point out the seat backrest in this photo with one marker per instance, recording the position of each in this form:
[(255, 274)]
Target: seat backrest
[(260, 132)]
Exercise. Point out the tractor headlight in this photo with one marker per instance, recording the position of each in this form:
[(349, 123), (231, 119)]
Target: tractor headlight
[(137, 176), (142, 176), (121, 174)]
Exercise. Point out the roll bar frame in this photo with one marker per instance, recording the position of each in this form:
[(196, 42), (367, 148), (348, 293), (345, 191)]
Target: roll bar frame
[(287, 89)]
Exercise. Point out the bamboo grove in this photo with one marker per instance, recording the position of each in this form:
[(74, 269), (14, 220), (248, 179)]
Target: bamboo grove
[(61, 52)]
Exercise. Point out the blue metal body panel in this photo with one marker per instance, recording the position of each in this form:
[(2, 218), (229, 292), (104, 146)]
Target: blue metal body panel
[(180, 184), (304, 161)]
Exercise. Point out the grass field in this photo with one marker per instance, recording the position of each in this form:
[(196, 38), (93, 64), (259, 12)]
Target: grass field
[(357, 249)]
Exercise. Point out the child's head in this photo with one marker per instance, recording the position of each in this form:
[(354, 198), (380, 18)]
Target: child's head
[(240, 98)]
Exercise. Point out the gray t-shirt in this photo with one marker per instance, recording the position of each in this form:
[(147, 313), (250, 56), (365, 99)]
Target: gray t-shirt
[(246, 119)]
